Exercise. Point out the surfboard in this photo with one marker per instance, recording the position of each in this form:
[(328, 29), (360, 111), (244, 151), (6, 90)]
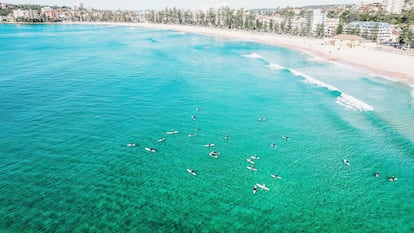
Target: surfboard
[(276, 176), (254, 189), (152, 150), (214, 154), (262, 186), (172, 132), (251, 168), (346, 162), (250, 161), (191, 171)]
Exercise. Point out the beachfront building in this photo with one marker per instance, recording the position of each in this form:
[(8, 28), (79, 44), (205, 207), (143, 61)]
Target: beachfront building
[(331, 25), (26, 14), (375, 31), (318, 21), (347, 41), (393, 6), (49, 13)]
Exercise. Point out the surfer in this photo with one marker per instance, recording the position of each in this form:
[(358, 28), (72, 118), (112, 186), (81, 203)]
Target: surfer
[(377, 174), (276, 176), (286, 138), (346, 162), (194, 118), (214, 154), (273, 145), (191, 171), (392, 178), (254, 189), (227, 137)]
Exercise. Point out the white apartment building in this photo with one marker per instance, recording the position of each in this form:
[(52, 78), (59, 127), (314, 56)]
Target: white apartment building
[(318, 18), (331, 26), (393, 6), (371, 30)]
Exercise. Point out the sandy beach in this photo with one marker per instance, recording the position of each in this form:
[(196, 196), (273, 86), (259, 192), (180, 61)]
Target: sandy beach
[(395, 66), (390, 65)]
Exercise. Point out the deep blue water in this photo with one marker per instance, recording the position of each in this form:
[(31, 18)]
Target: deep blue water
[(73, 96)]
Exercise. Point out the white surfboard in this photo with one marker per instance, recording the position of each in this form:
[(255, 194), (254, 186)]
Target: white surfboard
[(250, 161), (149, 149), (254, 189), (346, 162), (276, 176), (262, 186), (191, 171), (172, 132), (251, 168), (214, 154)]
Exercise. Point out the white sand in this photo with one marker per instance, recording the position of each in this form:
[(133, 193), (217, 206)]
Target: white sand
[(386, 64)]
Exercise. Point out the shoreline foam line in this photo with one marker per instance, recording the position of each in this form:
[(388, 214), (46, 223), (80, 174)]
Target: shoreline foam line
[(343, 99)]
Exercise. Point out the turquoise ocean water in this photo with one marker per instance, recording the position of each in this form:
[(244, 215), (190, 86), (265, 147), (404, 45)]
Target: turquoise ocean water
[(73, 96)]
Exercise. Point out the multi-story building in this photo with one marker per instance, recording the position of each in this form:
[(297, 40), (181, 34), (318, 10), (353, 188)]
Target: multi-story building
[(393, 6), (409, 5), (331, 25), (377, 31), (26, 14), (318, 18)]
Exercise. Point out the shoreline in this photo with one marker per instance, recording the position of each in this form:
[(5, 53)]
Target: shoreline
[(391, 66), (387, 65)]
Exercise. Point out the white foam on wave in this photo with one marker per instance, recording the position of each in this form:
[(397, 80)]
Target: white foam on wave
[(314, 81), (351, 102), (254, 55), (274, 66), (343, 99)]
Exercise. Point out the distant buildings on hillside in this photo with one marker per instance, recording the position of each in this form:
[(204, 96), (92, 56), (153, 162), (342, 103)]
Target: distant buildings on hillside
[(310, 21), (393, 6)]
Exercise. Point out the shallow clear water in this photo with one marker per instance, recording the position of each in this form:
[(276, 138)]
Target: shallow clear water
[(72, 97)]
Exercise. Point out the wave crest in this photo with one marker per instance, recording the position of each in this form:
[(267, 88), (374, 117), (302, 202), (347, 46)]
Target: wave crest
[(351, 102), (254, 55), (343, 99), (274, 66)]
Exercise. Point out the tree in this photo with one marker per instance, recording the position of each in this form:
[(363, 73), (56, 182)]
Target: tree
[(320, 30), (271, 27), (339, 29)]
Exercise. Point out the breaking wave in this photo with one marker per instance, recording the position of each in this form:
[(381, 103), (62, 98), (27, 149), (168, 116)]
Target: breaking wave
[(343, 99), (254, 55)]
